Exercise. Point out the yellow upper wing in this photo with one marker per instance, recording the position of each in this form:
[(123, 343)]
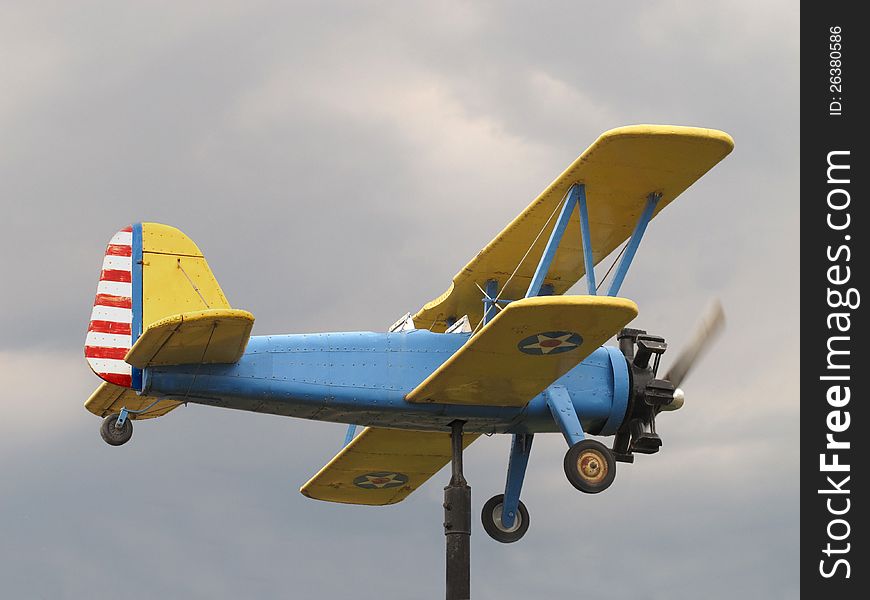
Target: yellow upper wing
[(525, 348), (619, 171), (382, 466)]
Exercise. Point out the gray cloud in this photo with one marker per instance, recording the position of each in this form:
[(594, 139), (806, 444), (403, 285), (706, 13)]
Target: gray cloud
[(338, 163)]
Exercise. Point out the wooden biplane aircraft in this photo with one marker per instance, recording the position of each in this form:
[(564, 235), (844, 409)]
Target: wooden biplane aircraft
[(503, 350)]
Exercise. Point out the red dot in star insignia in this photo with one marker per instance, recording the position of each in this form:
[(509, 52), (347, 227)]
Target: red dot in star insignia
[(550, 343)]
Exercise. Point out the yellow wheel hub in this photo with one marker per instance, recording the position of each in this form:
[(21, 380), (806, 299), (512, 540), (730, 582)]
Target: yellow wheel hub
[(592, 466)]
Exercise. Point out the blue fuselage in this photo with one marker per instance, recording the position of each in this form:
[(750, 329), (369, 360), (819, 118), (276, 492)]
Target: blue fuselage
[(363, 377)]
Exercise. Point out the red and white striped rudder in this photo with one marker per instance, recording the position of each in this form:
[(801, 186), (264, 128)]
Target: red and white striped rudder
[(109, 332)]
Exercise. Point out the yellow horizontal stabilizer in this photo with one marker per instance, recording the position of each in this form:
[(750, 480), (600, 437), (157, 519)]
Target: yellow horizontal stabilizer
[(619, 171), (109, 399), (525, 348), (199, 337), (382, 466)]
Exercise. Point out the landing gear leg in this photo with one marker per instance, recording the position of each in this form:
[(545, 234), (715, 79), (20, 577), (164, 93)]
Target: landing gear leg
[(505, 517), (457, 523)]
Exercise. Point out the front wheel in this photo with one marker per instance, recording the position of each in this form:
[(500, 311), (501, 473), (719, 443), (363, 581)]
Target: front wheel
[(114, 435), (491, 517), (590, 466)]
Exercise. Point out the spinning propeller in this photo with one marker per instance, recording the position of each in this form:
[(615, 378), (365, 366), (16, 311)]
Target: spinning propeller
[(707, 330), (650, 395)]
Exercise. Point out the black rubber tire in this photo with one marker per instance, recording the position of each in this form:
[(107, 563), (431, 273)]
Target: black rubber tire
[(491, 518), (114, 436), (600, 466)]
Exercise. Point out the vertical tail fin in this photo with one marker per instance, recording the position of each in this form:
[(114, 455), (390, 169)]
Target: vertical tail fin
[(150, 272)]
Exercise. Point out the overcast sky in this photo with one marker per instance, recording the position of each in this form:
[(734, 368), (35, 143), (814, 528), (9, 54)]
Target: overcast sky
[(338, 163)]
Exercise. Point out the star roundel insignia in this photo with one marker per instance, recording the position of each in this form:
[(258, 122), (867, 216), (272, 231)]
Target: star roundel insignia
[(380, 480), (550, 342)]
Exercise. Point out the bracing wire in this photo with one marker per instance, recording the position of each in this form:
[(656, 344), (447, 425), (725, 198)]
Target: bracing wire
[(616, 260)]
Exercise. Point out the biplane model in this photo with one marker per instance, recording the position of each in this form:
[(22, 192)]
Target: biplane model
[(503, 350)]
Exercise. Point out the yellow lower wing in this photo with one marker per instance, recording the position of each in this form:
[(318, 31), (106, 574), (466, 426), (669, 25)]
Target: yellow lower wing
[(525, 348), (109, 399), (204, 336), (382, 466)]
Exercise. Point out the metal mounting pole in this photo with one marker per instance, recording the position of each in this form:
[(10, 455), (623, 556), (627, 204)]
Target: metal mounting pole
[(457, 523)]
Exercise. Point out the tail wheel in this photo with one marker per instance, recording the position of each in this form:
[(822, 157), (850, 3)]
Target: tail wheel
[(114, 435), (491, 517), (590, 466)]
